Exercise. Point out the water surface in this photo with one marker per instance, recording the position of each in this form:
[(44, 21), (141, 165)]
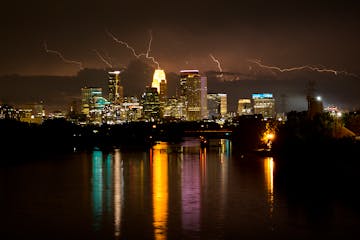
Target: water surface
[(169, 191)]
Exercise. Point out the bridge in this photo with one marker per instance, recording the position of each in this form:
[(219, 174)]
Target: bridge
[(209, 133)]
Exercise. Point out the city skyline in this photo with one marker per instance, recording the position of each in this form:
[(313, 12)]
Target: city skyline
[(290, 95), (279, 44)]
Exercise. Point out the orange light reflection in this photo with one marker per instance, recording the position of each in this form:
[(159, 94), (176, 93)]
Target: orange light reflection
[(160, 189)]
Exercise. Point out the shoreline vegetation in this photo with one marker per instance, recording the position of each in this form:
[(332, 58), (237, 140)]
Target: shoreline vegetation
[(323, 137)]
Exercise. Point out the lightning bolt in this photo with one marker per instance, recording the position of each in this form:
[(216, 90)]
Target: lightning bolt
[(218, 64), (147, 55), (316, 69), (103, 59), (108, 57), (65, 60), (137, 55), (232, 76)]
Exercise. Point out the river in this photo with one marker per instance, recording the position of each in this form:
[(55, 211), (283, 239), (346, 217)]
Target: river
[(169, 191)]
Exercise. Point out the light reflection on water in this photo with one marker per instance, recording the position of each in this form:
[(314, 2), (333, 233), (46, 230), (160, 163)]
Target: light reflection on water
[(107, 199), (108, 183), (118, 192), (269, 166), (159, 166), (171, 191), (190, 192), (97, 187)]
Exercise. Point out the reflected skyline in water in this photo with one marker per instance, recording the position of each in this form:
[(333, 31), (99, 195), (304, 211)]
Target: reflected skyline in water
[(169, 191), (108, 181)]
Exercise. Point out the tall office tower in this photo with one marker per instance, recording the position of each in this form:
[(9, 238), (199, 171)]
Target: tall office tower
[(158, 76), (244, 106), (264, 104), (163, 91), (204, 108), (151, 104), (87, 98), (162, 96), (116, 90), (217, 105), (223, 104), (190, 93)]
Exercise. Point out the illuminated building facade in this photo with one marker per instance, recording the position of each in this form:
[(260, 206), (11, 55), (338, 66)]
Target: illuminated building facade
[(87, 98), (244, 106), (174, 109), (158, 77), (223, 104), (116, 94), (32, 113), (132, 109), (7, 112), (151, 104), (204, 109), (217, 105), (190, 93), (163, 91), (38, 109), (98, 108), (264, 104), (99, 103)]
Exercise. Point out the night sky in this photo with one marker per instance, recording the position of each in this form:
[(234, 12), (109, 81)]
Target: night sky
[(284, 34)]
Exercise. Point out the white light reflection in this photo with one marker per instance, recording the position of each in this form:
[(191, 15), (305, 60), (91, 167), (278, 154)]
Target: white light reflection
[(118, 191), (224, 160)]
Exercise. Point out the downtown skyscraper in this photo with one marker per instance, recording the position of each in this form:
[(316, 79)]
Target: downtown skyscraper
[(116, 90), (192, 89)]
